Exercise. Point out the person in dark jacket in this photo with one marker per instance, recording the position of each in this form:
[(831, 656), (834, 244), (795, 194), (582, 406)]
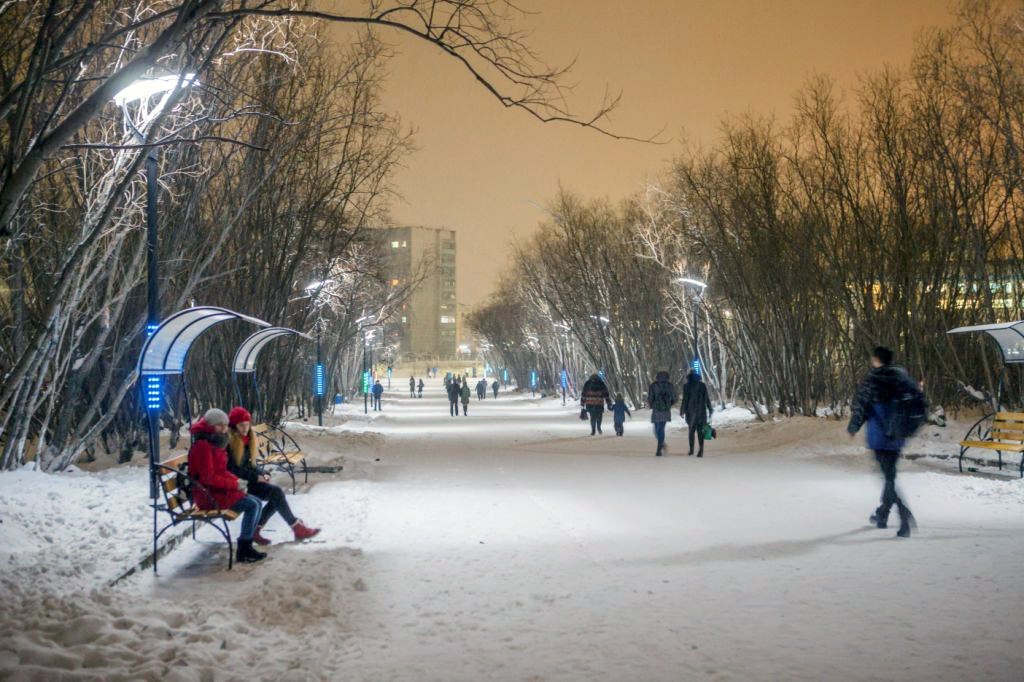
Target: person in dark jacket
[(243, 451), (465, 393), (661, 397), (412, 387), (619, 412), (481, 389), (377, 392), (219, 488), (695, 409), (872, 404), (494, 387), (420, 389), (593, 399), (454, 393)]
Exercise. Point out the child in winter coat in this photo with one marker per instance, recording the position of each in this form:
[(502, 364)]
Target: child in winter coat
[(619, 412)]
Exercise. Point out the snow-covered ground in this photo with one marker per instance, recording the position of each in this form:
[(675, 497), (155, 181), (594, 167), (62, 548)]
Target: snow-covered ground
[(511, 545)]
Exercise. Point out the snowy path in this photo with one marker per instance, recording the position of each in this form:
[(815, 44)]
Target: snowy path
[(510, 545)]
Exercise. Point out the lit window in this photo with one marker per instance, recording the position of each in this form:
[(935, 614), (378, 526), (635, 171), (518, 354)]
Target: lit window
[(394, 282), (394, 245), (447, 319), (404, 319), (404, 244)]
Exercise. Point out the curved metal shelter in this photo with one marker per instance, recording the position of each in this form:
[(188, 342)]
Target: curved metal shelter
[(166, 350), (248, 353), (1009, 336)]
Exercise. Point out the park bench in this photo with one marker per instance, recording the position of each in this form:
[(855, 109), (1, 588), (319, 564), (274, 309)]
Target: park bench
[(278, 451), (1005, 434), (177, 488)]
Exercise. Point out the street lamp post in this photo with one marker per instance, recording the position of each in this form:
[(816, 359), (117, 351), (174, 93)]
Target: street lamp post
[(698, 292), (141, 91)]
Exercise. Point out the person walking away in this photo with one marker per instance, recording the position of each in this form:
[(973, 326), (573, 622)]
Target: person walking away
[(420, 387), (695, 409), (593, 399), (619, 412), (874, 404), (412, 387), (243, 451), (219, 488), (662, 396), (481, 389), (454, 393), (465, 393), (378, 391), (494, 387)]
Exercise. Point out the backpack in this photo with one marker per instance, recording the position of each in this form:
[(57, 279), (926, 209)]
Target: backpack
[(661, 401), (907, 412)]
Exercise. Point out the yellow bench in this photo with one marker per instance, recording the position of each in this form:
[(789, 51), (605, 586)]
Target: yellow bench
[(281, 453), (177, 488), (1005, 435)]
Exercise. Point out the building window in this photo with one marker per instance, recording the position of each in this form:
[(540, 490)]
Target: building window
[(395, 282), (394, 245), (404, 319), (447, 319)]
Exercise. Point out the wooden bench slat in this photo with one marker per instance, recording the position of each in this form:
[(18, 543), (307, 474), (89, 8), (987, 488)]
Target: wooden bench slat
[(1011, 416), (993, 445)]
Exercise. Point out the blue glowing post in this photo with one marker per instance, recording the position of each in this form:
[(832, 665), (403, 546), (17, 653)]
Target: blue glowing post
[(504, 376), (153, 398), (601, 374), (533, 382), (319, 384), (565, 384), (695, 365)]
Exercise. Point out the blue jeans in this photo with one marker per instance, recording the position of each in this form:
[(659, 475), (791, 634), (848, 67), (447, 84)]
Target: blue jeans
[(249, 507), (659, 432)]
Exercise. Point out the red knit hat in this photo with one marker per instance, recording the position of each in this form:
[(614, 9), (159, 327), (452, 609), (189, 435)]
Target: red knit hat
[(238, 415)]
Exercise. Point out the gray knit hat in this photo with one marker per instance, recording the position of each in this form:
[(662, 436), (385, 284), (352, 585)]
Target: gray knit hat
[(215, 417)]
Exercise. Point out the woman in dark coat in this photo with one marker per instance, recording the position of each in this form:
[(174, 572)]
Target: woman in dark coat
[(661, 396), (695, 408), (593, 399)]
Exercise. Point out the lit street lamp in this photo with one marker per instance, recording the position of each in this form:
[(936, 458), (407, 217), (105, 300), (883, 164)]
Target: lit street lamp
[(140, 92), (698, 292)]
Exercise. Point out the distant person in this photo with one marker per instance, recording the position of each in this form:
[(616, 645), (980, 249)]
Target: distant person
[(465, 394), (619, 412), (219, 488), (494, 387), (661, 396), (412, 387), (873, 404), (420, 389), (243, 451), (454, 394), (695, 409), (377, 392), (481, 389), (593, 399)]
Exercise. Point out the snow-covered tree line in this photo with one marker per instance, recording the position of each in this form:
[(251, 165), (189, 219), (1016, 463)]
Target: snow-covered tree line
[(889, 214), (271, 169)]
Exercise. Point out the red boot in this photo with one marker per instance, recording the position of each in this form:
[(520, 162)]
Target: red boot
[(258, 537), (302, 531)]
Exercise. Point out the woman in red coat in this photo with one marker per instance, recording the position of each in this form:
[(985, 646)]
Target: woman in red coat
[(208, 465)]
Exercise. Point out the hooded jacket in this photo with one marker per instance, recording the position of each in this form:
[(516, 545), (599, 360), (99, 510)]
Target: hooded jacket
[(208, 465), (696, 405), (873, 403), (666, 390), (595, 394)]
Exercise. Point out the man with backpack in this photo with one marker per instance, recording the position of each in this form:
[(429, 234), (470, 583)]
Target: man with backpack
[(893, 406), (661, 396)]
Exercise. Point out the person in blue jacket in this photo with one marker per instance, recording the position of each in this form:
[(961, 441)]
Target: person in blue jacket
[(377, 392), (872, 405), (619, 412)]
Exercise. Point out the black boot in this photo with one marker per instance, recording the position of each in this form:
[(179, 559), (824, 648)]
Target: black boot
[(907, 522), (658, 452), (880, 518), (246, 554)]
